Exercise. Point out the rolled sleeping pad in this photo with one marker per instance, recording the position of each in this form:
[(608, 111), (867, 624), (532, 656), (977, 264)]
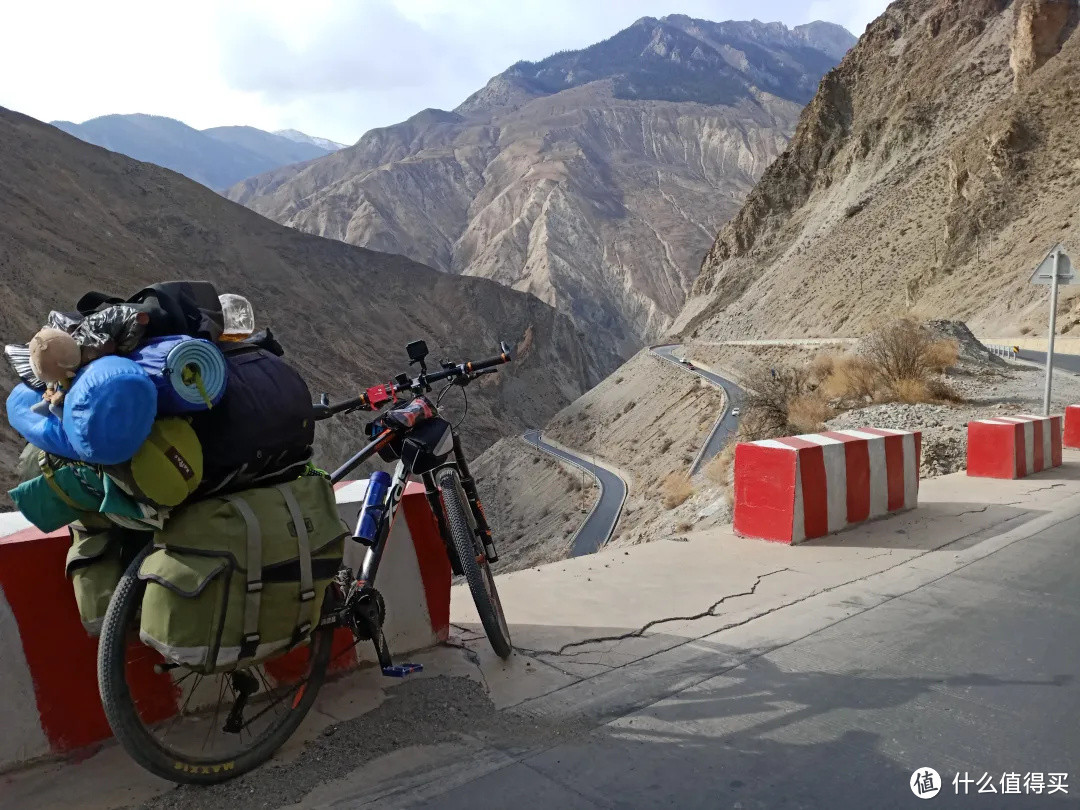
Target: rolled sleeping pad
[(109, 411), (41, 430), (190, 374)]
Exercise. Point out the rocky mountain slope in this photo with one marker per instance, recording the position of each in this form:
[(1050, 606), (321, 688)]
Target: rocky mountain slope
[(216, 157), (594, 179), (929, 175), (74, 217)]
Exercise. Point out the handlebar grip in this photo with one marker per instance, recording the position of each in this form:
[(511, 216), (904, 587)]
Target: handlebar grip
[(491, 362)]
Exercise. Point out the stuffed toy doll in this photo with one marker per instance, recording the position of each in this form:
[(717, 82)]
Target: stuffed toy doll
[(56, 355)]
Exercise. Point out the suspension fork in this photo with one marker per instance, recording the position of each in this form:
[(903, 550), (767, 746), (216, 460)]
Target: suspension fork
[(469, 485)]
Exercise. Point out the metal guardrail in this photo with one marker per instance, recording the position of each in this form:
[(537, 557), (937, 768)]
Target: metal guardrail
[(1008, 352)]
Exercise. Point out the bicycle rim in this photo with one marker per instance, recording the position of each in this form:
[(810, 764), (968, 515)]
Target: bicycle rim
[(173, 721)]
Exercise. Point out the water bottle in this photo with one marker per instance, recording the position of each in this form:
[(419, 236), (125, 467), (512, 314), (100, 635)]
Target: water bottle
[(367, 524)]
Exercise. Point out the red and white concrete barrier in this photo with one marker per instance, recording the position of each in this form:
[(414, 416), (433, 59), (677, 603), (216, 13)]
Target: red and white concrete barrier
[(49, 702), (1013, 446), (798, 487), (1072, 427)]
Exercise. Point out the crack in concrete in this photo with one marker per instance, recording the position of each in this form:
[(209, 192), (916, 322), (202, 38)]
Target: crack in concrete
[(648, 625), (474, 659)]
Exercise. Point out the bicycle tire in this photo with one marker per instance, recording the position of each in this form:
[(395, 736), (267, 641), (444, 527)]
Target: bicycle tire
[(477, 574), (122, 712)]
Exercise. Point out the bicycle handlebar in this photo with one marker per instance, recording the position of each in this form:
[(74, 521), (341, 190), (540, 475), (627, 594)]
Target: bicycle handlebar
[(379, 395)]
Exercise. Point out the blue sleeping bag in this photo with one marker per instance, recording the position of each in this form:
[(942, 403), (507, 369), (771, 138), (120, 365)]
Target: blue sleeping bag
[(108, 413), (44, 431), (190, 374)]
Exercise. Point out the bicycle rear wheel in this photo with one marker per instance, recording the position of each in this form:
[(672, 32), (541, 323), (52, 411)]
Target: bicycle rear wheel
[(474, 562), (176, 727)]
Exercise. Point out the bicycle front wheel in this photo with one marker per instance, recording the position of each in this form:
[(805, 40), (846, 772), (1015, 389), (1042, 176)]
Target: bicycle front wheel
[(193, 728), (474, 562)]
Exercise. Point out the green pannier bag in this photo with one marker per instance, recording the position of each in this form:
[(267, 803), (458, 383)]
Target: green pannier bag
[(99, 554), (239, 578)]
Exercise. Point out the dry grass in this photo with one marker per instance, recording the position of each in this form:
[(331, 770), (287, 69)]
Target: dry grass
[(911, 391), (676, 489), (898, 363), (853, 378), (808, 413), (718, 471), (941, 355)]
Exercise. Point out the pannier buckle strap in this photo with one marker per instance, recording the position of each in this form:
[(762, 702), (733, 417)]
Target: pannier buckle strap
[(303, 548), (253, 601)]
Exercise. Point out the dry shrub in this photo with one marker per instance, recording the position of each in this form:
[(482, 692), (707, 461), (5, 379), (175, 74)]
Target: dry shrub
[(823, 366), (807, 413), (898, 351), (853, 378), (676, 489), (911, 391), (941, 355), (941, 391), (933, 392), (769, 393)]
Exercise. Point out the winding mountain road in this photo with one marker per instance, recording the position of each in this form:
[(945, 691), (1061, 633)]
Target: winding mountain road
[(601, 521), (728, 422), (600, 524)]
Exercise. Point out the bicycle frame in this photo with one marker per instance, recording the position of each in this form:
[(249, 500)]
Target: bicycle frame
[(399, 480)]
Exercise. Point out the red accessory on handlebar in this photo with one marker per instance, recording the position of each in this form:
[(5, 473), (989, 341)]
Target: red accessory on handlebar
[(378, 395)]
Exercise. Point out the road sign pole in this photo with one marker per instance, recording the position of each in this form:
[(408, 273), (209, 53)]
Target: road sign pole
[(1050, 338)]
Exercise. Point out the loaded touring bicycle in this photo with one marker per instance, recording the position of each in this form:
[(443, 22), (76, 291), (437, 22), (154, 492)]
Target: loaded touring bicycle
[(230, 706)]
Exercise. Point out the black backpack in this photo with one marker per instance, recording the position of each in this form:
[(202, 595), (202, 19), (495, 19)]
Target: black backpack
[(175, 308), (261, 432)]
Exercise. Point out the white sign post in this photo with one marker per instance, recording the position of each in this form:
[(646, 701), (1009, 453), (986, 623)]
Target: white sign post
[(1055, 269)]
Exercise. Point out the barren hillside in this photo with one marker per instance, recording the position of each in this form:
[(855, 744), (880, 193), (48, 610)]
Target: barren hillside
[(594, 179), (649, 420), (74, 217), (933, 170)]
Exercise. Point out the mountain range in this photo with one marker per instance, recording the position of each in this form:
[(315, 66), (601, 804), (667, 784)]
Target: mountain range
[(74, 217), (217, 157), (594, 179), (929, 176)]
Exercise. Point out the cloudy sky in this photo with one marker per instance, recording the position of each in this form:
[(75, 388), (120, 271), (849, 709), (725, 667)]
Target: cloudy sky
[(333, 68)]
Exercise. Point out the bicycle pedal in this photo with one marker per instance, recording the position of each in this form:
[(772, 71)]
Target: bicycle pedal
[(401, 670)]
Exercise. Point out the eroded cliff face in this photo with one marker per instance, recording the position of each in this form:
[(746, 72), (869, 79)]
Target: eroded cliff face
[(595, 180), (933, 169), (1040, 30)]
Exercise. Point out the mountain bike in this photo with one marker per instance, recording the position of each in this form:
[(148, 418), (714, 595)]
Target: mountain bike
[(231, 722)]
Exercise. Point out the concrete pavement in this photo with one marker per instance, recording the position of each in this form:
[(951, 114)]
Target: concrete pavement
[(600, 524), (718, 672)]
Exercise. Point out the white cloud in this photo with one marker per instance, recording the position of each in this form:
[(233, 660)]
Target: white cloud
[(333, 68)]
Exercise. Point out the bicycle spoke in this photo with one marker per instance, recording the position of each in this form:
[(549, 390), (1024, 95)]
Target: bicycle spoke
[(217, 709)]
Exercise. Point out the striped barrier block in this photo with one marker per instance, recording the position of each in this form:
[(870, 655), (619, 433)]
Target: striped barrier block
[(1013, 446), (1071, 437), (48, 664), (799, 487)]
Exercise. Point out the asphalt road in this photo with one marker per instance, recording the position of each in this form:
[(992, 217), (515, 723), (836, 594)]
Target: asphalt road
[(729, 424), (973, 674), (1069, 362), (600, 524)]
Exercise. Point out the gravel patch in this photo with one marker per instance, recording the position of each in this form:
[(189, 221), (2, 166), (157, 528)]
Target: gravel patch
[(421, 712), (994, 389)]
